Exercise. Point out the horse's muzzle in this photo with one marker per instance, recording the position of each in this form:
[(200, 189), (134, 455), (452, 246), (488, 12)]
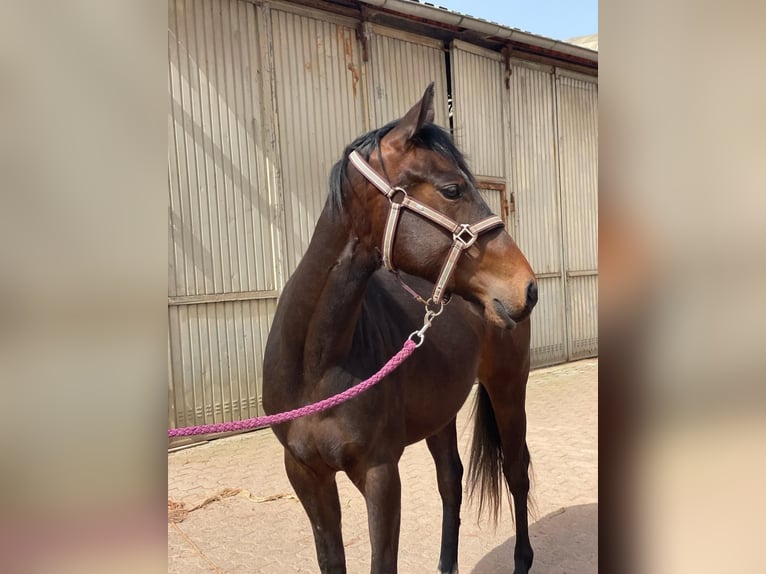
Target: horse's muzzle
[(531, 297)]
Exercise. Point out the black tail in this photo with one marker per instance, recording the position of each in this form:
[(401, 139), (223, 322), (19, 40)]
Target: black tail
[(485, 470)]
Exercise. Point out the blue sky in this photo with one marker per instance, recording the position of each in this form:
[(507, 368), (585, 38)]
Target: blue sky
[(559, 19)]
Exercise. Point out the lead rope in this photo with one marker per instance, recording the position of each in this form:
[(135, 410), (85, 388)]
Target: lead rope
[(269, 420)]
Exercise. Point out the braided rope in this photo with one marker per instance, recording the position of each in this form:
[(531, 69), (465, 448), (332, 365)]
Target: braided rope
[(323, 405)]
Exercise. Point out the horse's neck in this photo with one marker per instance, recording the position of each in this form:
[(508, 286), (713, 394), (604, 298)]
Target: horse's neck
[(325, 294)]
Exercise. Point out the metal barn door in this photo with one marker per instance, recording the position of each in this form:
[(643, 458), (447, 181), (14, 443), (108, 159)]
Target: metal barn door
[(401, 65), (319, 106), (534, 181), (577, 123), (480, 119), (223, 263)]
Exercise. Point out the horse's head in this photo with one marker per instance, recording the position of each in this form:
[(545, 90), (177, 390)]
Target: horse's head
[(420, 161)]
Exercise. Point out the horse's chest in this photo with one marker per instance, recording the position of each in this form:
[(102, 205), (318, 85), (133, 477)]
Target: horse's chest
[(338, 442)]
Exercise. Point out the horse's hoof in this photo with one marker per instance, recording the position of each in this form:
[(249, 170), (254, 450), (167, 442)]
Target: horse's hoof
[(454, 571)]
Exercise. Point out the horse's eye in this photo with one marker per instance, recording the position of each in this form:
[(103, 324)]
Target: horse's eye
[(451, 191)]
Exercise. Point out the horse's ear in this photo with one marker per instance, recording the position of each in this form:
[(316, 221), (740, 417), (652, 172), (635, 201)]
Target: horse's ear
[(419, 115)]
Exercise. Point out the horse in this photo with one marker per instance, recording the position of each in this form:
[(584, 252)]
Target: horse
[(342, 314)]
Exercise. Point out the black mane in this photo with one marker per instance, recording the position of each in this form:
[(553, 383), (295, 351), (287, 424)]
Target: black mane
[(430, 137)]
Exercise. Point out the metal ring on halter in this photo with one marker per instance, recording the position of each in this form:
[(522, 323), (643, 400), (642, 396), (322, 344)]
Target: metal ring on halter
[(458, 236), (431, 302), (394, 191)]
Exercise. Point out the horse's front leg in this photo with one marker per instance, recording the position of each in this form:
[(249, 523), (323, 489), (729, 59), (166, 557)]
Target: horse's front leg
[(318, 493), (381, 487)]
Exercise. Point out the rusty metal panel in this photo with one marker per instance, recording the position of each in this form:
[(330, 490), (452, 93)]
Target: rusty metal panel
[(401, 66), (216, 360), (534, 182), (494, 199), (478, 90), (320, 110), (577, 116), (221, 201), (480, 118)]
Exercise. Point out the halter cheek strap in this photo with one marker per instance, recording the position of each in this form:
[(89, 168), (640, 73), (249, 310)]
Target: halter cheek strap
[(463, 234)]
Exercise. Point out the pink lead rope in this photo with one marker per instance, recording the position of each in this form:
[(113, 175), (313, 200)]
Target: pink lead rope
[(269, 420)]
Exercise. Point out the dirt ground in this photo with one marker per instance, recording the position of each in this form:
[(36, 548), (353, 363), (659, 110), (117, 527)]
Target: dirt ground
[(250, 521)]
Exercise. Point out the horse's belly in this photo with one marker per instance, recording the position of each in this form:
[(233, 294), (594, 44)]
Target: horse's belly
[(426, 417)]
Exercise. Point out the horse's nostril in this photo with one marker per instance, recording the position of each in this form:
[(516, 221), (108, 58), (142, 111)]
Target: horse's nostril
[(532, 293)]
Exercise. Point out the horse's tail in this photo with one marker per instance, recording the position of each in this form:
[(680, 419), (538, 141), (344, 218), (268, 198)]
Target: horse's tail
[(485, 470)]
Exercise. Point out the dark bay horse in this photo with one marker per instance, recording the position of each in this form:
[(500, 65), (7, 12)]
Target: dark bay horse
[(341, 317)]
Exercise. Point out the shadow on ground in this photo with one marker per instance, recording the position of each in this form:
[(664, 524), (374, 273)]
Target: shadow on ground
[(565, 542)]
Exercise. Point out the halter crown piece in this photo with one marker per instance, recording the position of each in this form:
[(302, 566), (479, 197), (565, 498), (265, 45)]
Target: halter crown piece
[(463, 234)]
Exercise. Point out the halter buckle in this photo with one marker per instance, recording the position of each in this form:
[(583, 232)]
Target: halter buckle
[(465, 236), (392, 193)]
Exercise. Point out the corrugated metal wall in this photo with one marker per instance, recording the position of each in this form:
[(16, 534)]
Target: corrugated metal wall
[(494, 199), (401, 66), (577, 115), (480, 116), (220, 205), (249, 155), (217, 359), (540, 138), (222, 244), (479, 119), (534, 181), (317, 120)]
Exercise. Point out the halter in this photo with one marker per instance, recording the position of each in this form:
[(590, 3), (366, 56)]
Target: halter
[(463, 234)]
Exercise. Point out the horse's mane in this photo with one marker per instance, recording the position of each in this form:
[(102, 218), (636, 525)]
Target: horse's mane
[(430, 137)]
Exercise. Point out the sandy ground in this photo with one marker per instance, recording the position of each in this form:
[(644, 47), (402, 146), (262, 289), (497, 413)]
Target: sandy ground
[(258, 526)]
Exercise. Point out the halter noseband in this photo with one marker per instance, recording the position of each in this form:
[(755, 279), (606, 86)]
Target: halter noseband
[(463, 234)]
